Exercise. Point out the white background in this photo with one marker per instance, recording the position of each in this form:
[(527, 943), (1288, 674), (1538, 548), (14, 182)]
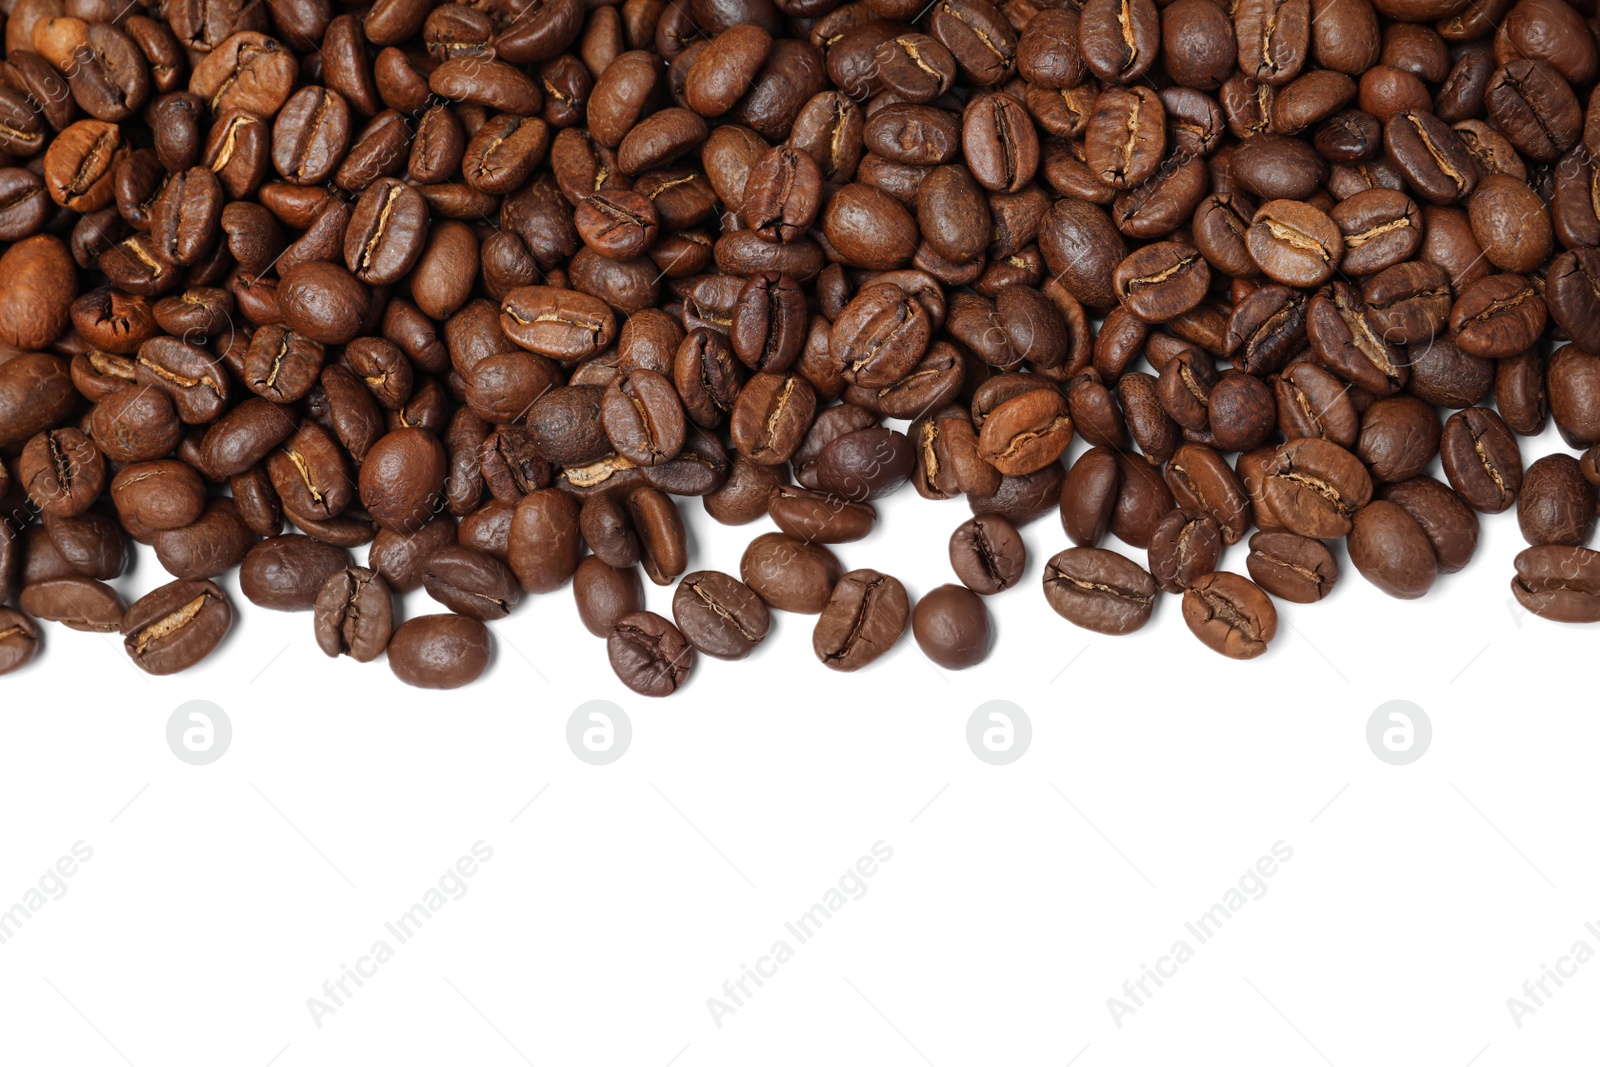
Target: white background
[(1018, 900)]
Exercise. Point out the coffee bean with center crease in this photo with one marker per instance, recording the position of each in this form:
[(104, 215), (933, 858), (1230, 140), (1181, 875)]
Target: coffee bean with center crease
[(1099, 590), (1230, 615), (175, 626), (353, 614), (19, 640), (1291, 567), (1294, 243), (649, 654), (1314, 487), (987, 554), (558, 323), (1481, 459), (1431, 156), (863, 618), (1184, 547), (720, 615), (1162, 281), (1558, 582)]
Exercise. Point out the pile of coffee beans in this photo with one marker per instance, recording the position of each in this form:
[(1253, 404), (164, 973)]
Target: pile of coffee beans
[(494, 288)]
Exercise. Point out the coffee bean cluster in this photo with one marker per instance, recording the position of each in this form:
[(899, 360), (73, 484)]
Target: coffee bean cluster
[(494, 288)]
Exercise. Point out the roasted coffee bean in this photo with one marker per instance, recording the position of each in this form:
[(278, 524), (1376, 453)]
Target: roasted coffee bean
[(605, 593), (175, 626), (864, 618), (286, 573), (1294, 243), (19, 640), (1391, 550), (62, 472), (77, 603), (1230, 615), (810, 515), (987, 554), (1431, 156), (720, 615), (471, 582), (1099, 590), (1481, 459), (649, 654), (790, 574), (1200, 479), (1291, 567), (1184, 547), (1498, 316), (1162, 281), (1556, 506), (1399, 438), (161, 494), (951, 625), (440, 651), (1558, 583)]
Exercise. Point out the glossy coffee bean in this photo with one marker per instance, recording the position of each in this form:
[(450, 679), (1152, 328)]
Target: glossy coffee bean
[(1099, 590), (951, 626), (1230, 615), (649, 654), (175, 626), (440, 651), (720, 615), (864, 617)]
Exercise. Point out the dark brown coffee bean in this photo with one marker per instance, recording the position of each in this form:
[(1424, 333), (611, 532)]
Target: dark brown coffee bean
[(1119, 38), (720, 615), (1498, 316), (864, 618), (1293, 568), (789, 574), (1558, 583), (1556, 506), (175, 626), (1162, 281), (987, 554), (77, 603), (471, 582), (440, 651), (286, 573), (19, 640), (1481, 459), (1230, 615), (1391, 550), (649, 654), (1184, 547), (1099, 590)]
